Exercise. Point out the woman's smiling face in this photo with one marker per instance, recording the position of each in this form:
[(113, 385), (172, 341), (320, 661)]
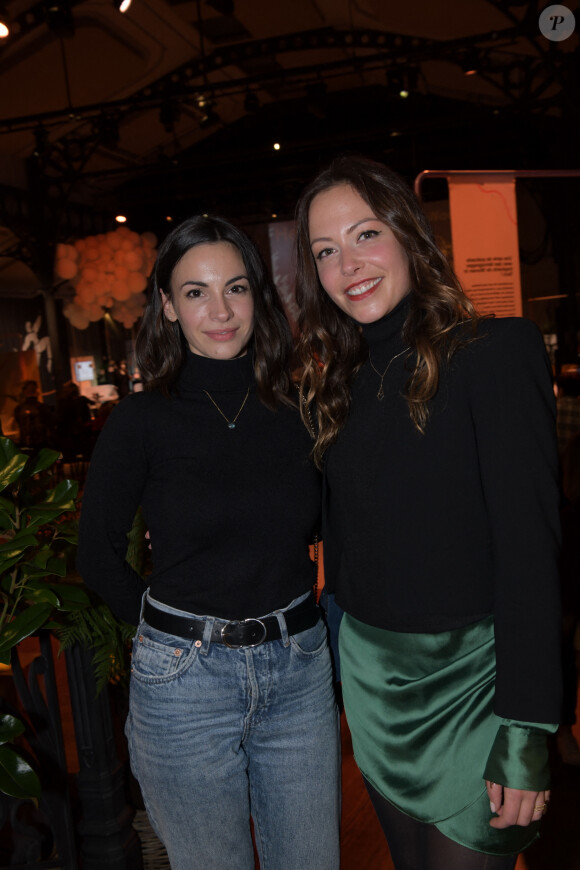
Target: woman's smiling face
[(212, 299), (360, 263)]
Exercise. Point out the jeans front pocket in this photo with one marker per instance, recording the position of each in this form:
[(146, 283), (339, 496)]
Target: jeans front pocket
[(159, 657), (312, 641)]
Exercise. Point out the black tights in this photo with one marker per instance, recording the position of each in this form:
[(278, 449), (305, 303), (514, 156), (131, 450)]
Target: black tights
[(419, 846)]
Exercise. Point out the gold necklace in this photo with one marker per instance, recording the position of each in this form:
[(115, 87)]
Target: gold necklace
[(381, 392), (231, 423)]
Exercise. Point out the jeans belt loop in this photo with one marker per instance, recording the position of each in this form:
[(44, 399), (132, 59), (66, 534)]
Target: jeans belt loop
[(284, 636), (143, 600), (207, 631)]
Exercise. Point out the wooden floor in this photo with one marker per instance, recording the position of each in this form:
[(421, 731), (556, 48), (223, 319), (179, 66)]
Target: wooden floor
[(363, 846)]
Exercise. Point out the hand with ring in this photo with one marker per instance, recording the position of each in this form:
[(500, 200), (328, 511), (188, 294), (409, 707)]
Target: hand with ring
[(515, 806)]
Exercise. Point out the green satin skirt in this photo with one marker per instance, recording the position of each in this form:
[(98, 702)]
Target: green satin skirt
[(420, 712)]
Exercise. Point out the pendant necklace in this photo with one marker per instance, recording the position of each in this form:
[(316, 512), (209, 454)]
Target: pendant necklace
[(381, 392), (231, 423)]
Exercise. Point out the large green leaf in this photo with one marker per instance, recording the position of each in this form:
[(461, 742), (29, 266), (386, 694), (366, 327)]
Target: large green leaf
[(7, 513), (40, 594), (6, 564), (43, 460), (17, 778), (44, 562), (70, 597), (29, 571), (57, 501), (41, 557), (11, 462), (67, 531), (20, 542), (63, 596), (29, 574), (10, 727), (23, 625)]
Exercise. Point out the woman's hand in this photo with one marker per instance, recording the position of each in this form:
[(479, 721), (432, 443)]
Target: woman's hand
[(515, 806)]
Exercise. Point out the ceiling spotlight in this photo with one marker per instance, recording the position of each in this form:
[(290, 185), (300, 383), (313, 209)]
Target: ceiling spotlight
[(395, 83), (401, 83), (209, 118), (469, 63), (121, 219), (202, 101), (276, 146), (121, 5), (4, 25)]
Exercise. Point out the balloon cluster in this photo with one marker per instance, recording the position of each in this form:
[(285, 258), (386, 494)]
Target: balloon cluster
[(109, 273)]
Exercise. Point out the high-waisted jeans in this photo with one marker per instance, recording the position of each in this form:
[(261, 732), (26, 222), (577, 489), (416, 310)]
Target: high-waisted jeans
[(217, 735)]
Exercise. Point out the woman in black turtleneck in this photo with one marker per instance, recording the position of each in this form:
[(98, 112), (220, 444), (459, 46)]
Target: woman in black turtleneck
[(232, 711), (440, 525)]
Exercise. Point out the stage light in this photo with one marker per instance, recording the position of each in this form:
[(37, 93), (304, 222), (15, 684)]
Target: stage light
[(470, 63), (4, 23), (209, 118)]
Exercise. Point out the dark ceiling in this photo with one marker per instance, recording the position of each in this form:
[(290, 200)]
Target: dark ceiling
[(174, 107)]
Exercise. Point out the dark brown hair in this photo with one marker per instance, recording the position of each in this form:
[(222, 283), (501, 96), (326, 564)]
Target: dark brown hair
[(330, 345), (161, 349)]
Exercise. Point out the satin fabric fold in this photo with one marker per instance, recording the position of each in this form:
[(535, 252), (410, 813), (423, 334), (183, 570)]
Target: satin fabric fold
[(519, 757), (420, 712)]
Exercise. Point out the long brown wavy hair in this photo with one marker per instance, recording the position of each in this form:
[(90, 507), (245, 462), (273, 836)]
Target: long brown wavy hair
[(330, 345), (160, 347)]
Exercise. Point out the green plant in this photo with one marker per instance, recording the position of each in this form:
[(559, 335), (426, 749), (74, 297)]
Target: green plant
[(109, 637), (38, 532), (37, 529)]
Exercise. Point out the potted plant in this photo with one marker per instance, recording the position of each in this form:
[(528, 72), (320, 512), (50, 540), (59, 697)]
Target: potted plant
[(37, 529)]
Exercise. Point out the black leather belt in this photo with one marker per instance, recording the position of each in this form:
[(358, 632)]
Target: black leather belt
[(235, 633)]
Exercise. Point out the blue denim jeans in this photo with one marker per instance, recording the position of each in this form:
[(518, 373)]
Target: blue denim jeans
[(217, 735)]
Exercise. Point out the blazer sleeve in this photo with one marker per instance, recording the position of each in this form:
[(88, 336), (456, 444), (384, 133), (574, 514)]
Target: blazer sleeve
[(513, 408), (112, 495)]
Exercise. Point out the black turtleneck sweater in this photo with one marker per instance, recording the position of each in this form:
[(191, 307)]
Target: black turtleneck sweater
[(230, 511), (425, 533)]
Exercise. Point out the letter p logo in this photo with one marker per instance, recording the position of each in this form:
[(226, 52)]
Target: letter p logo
[(557, 23)]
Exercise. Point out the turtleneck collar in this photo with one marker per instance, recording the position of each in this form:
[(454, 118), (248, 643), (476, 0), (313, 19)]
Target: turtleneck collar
[(390, 326), (203, 373)]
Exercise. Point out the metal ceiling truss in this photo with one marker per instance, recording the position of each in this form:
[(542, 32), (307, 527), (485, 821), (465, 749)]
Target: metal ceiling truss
[(57, 16), (392, 52), (57, 164)]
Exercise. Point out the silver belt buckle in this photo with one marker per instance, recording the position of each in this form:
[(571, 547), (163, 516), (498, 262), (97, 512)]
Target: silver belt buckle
[(236, 622)]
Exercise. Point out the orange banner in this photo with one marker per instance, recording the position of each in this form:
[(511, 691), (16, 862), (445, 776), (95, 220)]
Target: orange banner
[(484, 232)]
